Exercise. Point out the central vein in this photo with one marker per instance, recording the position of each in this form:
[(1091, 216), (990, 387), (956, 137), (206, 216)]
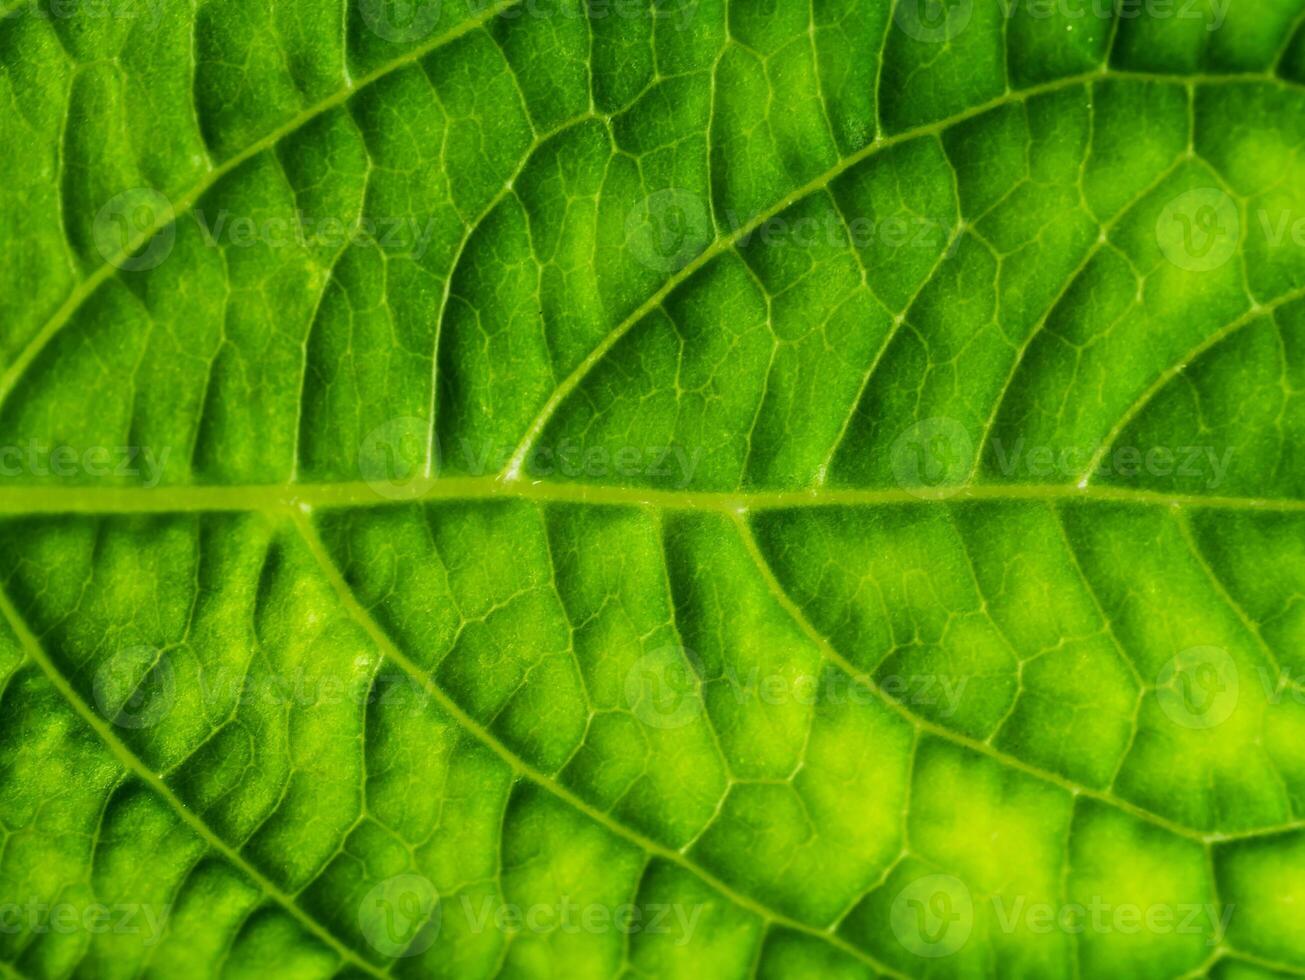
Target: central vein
[(312, 496)]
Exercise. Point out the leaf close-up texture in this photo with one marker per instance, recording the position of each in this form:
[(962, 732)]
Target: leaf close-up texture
[(652, 488)]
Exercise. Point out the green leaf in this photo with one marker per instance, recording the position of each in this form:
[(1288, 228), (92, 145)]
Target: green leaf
[(653, 488)]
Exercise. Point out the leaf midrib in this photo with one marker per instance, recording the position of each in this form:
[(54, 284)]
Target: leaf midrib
[(522, 769), (299, 498), (289, 498)]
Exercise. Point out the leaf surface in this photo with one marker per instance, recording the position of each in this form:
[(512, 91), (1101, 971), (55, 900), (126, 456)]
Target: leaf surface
[(714, 489)]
